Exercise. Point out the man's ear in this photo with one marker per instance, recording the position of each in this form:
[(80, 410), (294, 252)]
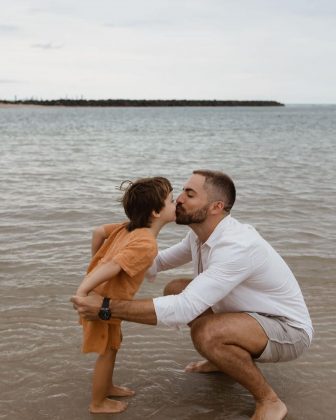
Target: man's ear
[(217, 207)]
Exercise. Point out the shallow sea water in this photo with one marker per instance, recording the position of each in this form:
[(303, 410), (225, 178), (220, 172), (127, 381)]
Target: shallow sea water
[(59, 171)]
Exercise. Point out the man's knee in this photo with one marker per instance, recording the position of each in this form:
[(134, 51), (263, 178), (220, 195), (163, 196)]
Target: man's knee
[(201, 334), (231, 329), (208, 331), (176, 286)]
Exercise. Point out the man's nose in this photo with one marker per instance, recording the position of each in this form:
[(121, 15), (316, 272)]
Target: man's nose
[(179, 199)]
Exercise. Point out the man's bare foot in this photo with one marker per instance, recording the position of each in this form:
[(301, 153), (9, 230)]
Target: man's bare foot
[(270, 410), (108, 406), (120, 391), (203, 366)]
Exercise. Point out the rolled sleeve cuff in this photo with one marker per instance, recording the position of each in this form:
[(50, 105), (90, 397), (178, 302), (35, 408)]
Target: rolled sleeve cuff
[(176, 310), (165, 311)]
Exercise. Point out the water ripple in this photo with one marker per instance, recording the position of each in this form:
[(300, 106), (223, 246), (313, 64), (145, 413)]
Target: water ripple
[(59, 172)]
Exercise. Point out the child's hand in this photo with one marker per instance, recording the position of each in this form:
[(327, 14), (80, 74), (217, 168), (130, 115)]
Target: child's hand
[(150, 279), (81, 292), (150, 274)]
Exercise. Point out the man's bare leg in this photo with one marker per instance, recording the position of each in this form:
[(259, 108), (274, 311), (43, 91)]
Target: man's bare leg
[(175, 287), (228, 342)]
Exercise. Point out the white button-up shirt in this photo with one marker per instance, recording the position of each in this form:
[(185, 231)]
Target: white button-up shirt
[(241, 273)]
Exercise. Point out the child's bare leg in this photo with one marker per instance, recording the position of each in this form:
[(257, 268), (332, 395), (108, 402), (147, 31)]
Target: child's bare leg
[(119, 391), (101, 384)]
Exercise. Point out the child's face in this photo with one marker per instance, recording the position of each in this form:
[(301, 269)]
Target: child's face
[(167, 214)]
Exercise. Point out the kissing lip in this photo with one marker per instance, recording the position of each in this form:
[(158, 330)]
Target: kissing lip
[(179, 209)]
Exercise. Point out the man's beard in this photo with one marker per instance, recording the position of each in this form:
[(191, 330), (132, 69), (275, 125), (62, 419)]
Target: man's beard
[(198, 216)]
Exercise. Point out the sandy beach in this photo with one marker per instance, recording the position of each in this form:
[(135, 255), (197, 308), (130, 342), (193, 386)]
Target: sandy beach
[(18, 106)]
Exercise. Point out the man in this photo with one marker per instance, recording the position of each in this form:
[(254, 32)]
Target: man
[(244, 304)]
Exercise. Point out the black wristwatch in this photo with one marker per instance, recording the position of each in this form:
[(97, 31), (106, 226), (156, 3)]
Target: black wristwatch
[(105, 311)]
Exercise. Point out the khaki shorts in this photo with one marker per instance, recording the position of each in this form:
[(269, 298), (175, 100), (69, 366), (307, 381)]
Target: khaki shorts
[(284, 341)]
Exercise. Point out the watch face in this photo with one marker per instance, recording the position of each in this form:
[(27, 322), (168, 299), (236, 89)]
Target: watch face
[(104, 314)]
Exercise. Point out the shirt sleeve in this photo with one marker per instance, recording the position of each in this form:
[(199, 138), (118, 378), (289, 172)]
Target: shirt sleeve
[(172, 257), (138, 255), (204, 291)]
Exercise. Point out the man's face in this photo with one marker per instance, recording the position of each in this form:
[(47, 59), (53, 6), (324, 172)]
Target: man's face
[(192, 204)]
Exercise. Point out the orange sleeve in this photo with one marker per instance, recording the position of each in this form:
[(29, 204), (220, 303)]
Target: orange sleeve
[(110, 228), (138, 255)]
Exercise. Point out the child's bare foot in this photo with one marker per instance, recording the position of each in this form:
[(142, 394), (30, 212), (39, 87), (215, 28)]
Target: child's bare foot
[(120, 391), (108, 406), (204, 366)]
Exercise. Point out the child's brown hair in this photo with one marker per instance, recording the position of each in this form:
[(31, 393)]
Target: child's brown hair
[(142, 197)]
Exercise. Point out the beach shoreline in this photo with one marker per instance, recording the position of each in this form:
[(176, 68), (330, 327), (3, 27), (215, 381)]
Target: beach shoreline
[(19, 106), (141, 103)]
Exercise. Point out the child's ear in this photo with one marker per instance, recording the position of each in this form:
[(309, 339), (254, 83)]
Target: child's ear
[(155, 214)]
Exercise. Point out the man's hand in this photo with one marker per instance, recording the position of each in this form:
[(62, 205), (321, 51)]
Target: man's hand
[(88, 306), (140, 310)]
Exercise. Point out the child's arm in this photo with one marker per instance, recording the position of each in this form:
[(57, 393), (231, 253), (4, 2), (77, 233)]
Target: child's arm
[(98, 237), (100, 274)]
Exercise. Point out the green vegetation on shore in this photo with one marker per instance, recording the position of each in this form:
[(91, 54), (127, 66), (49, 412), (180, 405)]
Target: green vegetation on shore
[(137, 102)]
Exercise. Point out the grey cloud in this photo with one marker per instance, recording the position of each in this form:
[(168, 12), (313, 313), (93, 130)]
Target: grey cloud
[(138, 23), (7, 81), (34, 10), (8, 28), (48, 46)]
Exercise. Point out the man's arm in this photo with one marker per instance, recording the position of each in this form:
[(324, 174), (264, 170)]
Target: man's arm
[(204, 291), (141, 311), (169, 258), (174, 256)]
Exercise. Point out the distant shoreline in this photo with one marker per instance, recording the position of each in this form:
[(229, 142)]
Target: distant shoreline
[(135, 103)]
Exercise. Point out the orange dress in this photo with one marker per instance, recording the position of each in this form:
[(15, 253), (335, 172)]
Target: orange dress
[(134, 252)]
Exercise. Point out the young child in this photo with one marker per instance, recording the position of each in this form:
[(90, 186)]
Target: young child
[(121, 255)]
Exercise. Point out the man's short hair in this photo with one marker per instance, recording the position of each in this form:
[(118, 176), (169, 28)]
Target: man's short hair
[(142, 197), (220, 187)]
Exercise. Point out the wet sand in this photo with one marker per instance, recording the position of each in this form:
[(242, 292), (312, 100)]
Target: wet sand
[(44, 376)]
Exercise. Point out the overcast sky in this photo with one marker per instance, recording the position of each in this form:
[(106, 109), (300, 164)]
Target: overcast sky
[(156, 49)]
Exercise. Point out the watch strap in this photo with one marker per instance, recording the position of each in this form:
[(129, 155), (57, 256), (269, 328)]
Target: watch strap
[(106, 303), (105, 312)]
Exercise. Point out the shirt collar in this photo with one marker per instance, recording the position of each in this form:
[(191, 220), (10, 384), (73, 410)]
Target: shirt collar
[(218, 231)]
